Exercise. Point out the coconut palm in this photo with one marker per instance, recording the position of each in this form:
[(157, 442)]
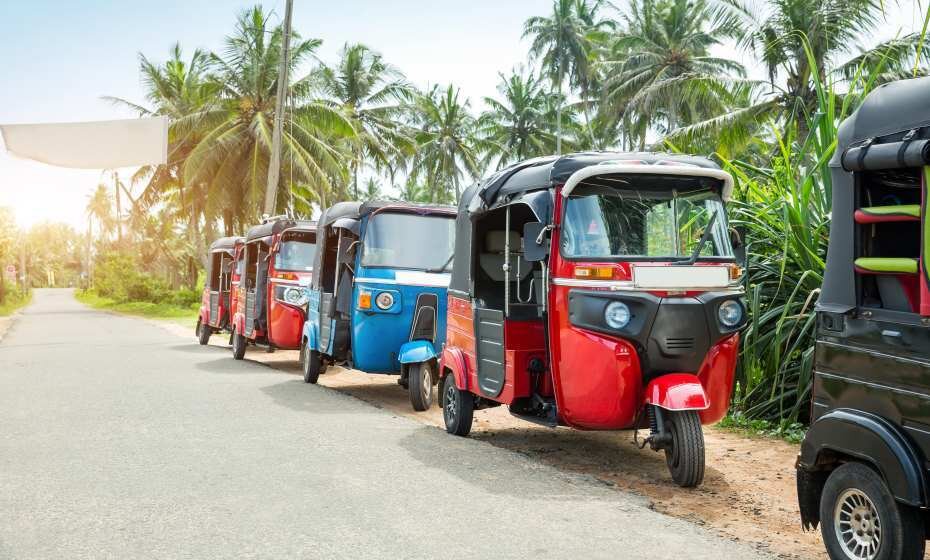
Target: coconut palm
[(233, 156), (660, 63), (515, 127), (564, 42), (370, 91), (448, 150), (100, 208)]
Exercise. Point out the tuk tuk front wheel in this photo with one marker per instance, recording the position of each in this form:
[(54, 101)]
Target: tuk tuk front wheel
[(420, 385), (238, 345), (685, 452), (458, 408), (203, 333), (312, 365), (860, 519)]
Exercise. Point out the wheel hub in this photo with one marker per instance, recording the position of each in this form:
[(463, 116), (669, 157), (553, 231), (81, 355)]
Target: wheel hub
[(857, 525), (450, 402)]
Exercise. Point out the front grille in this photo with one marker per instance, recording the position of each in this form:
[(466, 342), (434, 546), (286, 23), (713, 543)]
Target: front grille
[(685, 343)]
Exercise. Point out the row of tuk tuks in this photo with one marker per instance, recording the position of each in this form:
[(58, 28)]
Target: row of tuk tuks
[(605, 291)]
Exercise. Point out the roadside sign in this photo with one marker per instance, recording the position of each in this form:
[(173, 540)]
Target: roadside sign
[(11, 271)]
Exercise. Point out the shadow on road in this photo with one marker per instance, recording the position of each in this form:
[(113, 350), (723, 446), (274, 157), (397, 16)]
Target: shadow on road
[(297, 395)]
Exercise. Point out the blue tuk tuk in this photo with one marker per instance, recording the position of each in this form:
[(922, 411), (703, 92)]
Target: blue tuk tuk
[(378, 294)]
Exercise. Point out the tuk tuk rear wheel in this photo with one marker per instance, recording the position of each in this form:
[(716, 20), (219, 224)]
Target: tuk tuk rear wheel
[(203, 333), (458, 408), (685, 454), (312, 365), (238, 345), (420, 385), (860, 519)]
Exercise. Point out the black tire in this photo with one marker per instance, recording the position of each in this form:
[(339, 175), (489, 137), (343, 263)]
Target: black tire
[(889, 531), (685, 454), (238, 345), (312, 365), (458, 408), (420, 385), (203, 333)]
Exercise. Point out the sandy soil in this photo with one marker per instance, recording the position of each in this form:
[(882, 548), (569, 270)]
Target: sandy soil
[(748, 492)]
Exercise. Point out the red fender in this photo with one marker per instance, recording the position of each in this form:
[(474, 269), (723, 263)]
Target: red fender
[(677, 391), (239, 322), (454, 359)]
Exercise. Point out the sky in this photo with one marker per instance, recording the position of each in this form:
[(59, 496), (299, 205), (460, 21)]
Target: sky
[(58, 57)]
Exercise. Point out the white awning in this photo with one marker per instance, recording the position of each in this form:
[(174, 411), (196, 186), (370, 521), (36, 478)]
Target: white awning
[(91, 145)]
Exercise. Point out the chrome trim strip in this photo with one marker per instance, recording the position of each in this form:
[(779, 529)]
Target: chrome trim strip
[(626, 285), (873, 385)]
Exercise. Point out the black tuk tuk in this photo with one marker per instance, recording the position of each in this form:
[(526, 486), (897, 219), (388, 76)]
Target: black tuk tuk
[(862, 473)]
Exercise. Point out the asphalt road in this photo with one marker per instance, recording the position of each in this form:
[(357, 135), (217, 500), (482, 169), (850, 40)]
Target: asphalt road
[(119, 439)]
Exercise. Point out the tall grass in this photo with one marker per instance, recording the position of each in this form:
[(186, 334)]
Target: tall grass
[(785, 209)]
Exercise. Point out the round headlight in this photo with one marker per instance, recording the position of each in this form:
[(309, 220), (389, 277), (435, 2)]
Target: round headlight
[(384, 301), (730, 313), (617, 315), (295, 296)]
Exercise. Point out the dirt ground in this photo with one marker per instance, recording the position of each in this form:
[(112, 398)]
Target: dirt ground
[(748, 492)]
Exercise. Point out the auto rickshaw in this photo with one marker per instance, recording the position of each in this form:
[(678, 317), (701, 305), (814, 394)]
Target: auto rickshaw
[(597, 291), (862, 469), (378, 294), (276, 265), (215, 303)]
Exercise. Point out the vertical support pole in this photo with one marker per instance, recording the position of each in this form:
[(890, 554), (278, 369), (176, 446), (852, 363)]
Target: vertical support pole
[(274, 165), (507, 263), (924, 245)]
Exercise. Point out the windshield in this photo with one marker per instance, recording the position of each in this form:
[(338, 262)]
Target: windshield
[(295, 254), (411, 241), (610, 223)]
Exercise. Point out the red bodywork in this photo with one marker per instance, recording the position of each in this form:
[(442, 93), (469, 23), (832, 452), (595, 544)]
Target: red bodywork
[(285, 322), (595, 378), (227, 300)]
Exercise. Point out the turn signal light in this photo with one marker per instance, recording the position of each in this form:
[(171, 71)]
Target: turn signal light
[(594, 272), (286, 276), (364, 300), (736, 272)]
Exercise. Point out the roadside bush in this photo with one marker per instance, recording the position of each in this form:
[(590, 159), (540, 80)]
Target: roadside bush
[(118, 277)]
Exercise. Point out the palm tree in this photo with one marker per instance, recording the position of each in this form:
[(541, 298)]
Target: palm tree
[(515, 127), (100, 208), (564, 42), (232, 158), (372, 190), (370, 91), (448, 150), (660, 63)]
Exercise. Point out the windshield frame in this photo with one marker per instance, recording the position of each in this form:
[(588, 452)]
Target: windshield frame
[(431, 215), (295, 236), (721, 219)]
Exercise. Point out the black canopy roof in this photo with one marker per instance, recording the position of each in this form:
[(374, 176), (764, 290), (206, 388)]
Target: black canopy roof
[(545, 172), (273, 227), (227, 244)]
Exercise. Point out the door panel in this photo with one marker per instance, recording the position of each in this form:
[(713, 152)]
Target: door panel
[(214, 308), (489, 329)]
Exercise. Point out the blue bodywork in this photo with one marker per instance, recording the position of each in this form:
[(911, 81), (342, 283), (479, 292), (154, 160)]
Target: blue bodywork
[(381, 339)]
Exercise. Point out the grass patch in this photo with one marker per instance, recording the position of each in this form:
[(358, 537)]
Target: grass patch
[(792, 432), (183, 315), (13, 301)]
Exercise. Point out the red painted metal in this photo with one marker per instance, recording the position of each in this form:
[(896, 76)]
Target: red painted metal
[(677, 391)]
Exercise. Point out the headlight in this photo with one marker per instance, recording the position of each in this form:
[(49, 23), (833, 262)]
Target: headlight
[(384, 301), (617, 315), (730, 313), (293, 295)]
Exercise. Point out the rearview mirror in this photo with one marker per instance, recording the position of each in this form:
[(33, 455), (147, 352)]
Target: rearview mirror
[(535, 246), (738, 242)]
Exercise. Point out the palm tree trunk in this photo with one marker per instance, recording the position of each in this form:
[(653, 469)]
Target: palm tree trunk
[(119, 212), (558, 117)]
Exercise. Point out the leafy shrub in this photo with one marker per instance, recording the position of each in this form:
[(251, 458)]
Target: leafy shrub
[(119, 278)]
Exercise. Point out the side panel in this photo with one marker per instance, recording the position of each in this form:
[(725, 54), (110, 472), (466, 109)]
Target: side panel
[(717, 374), (285, 325), (460, 341), (489, 328), (215, 315)]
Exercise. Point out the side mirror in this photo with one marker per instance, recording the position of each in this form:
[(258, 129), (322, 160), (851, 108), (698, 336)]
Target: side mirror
[(535, 246), (738, 242)]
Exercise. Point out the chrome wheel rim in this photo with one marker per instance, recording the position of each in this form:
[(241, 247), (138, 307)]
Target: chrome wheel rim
[(857, 526), (450, 403)]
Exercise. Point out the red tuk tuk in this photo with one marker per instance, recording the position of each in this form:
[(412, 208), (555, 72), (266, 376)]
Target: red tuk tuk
[(276, 264), (597, 291), (216, 303)]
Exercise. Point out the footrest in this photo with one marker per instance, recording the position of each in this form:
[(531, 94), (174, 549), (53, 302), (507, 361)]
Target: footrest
[(879, 214), (890, 265)]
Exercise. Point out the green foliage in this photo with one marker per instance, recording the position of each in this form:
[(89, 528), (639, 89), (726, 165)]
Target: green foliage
[(117, 278), (786, 429), (13, 298)]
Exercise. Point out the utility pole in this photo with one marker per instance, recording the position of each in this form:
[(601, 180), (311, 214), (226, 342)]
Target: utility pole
[(274, 165)]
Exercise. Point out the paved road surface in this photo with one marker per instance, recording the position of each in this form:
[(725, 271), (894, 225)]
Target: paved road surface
[(119, 439)]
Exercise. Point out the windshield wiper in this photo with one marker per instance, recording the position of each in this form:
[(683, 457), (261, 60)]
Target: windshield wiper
[(443, 267), (700, 246)]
